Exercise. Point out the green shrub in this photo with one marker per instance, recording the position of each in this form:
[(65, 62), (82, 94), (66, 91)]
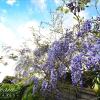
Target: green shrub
[(11, 91)]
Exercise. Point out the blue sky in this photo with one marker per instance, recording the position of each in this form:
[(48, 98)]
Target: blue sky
[(19, 11), (17, 16), (16, 13)]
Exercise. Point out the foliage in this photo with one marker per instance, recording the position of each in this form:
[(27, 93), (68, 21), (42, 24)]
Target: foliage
[(96, 86), (73, 6), (25, 92), (11, 91)]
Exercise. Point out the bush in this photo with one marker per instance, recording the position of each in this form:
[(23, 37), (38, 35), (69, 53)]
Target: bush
[(11, 91)]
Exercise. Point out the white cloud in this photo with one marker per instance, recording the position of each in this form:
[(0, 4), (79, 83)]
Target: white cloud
[(7, 70), (39, 3), (7, 36), (69, 21), (11, 2), (15, 38), (25, 32), (26, 29)]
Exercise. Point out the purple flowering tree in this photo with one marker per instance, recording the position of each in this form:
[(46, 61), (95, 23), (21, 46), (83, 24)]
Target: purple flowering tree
[(75, 52)]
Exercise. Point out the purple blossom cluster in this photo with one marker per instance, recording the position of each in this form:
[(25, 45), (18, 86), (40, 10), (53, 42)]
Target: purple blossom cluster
[(44, 85), (53, 78), (97, 25), (25, 74), (93, 56), (40, 51), (86, 27), (58, 49), (35, 80), (76, 70), (56, 52), (61, 70), (89, 56), (37, 53)]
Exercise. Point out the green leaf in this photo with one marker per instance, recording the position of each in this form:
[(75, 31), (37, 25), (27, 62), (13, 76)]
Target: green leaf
[(63, 9), (83, 4), (97, 34)]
